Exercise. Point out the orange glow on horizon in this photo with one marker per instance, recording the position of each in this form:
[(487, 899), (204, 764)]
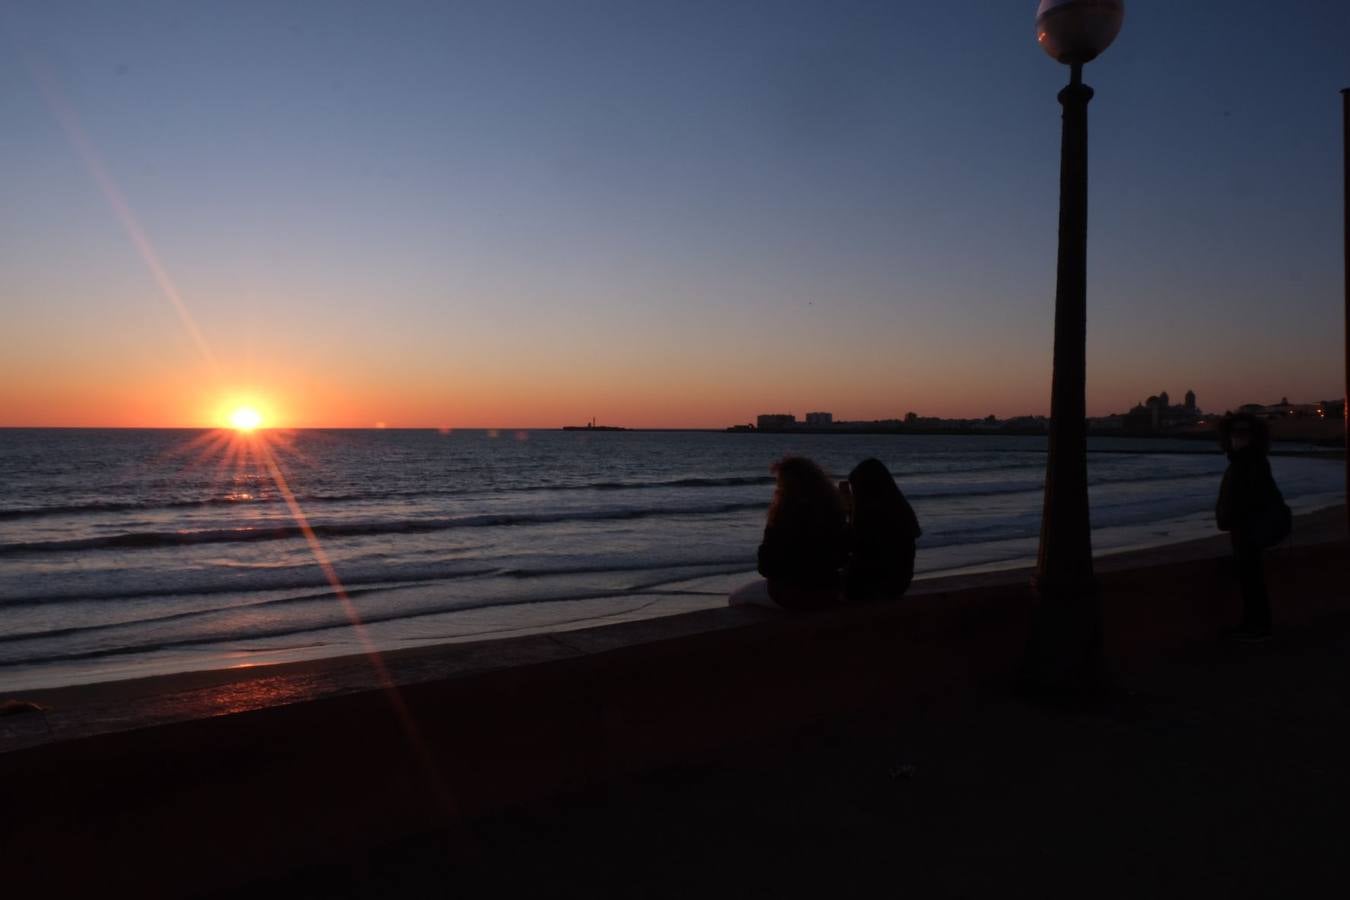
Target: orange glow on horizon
[(245, 411), (300, 388), (245, 418)]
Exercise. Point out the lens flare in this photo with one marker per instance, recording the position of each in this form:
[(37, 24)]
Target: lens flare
[(245, 418)]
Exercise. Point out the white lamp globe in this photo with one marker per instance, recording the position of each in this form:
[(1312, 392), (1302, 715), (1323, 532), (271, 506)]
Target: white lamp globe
[(1077, 31)]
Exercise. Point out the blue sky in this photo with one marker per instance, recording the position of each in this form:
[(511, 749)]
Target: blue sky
[(529, 213)]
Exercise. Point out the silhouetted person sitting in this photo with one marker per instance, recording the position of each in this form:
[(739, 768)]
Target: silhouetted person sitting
[(883, 531), (805, 541), (1253, 512)]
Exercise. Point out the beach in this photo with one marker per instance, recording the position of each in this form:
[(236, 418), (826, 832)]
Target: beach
[(342, 768), (654, 450), (100, 707)]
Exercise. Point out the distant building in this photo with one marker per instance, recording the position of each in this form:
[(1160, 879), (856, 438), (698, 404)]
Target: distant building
[(1331, 409), (1139, 420), (1284, 410), (1157, 414), (1114, 422), (1027, 424), (819, 418), (775, 421)]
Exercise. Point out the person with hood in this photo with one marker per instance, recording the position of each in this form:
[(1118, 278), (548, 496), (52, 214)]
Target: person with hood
[(883, 529), (1253, 512)]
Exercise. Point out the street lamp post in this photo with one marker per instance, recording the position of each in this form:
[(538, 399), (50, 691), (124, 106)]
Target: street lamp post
[(1345, 235), (1065, 651)]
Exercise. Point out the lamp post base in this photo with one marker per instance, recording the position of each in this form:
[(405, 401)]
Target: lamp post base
[(1065, 658)]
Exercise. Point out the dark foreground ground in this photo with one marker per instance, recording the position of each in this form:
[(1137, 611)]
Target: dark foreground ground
[(852, 752), (1223, 772)]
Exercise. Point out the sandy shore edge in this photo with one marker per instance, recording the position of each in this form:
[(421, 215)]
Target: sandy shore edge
[(102, 707)]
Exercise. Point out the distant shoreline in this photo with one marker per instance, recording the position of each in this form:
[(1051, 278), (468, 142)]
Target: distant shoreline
[(1335, 447), (1327, 449)]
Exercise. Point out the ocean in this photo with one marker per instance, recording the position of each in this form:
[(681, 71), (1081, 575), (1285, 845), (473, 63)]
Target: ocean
[(133, 552)]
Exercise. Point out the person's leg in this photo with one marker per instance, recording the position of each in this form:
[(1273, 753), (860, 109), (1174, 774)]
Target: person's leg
[(1259, 597), (1252, 581)]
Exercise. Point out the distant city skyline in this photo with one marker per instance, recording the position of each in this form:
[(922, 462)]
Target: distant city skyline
[(1162, 400), (529, 214)]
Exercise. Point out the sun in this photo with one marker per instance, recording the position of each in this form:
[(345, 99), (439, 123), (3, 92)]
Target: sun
[(245, 418)]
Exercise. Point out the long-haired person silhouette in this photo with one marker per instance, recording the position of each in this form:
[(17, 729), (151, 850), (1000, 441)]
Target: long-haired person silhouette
[(805, 541), (883, 531)]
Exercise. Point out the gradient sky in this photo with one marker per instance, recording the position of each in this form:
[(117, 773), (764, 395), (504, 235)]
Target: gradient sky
[(661, 214)]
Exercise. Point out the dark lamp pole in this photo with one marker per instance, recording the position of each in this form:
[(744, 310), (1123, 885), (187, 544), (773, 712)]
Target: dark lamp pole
[(1345, 163), (1065, 650), (1064, 564)]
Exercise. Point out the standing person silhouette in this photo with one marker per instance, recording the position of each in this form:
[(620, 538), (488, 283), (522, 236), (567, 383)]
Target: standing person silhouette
[(882, 534), (805, 541), (1253, 512)]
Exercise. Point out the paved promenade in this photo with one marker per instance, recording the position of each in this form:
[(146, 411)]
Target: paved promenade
[(1224, 771)]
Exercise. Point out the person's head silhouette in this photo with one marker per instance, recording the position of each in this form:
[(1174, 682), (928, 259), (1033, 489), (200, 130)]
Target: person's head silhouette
[(803, 492), (1244, 432)]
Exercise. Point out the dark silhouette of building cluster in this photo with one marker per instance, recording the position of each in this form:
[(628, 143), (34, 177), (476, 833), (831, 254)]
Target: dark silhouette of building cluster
[(912, 422), (775, 421), (1327, 409), (1157, 414)]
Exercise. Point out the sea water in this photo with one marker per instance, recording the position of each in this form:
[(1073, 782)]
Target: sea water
[(131, 552)]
